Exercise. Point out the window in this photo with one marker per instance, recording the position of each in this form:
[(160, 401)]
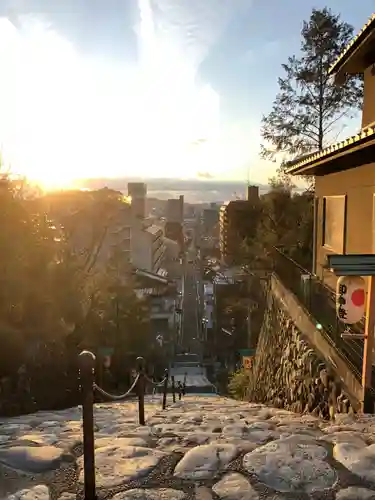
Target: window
[(334, 223)]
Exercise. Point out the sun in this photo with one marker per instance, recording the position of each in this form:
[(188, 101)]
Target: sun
[(53, 181), (67, 117)]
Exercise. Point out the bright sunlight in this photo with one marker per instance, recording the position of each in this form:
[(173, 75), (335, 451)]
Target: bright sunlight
[(66, 116)]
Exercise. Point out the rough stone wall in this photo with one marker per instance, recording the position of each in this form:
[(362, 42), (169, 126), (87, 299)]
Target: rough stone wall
[(287, 373)]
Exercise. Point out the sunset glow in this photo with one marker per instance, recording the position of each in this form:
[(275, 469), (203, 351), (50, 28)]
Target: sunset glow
[(66, 116)]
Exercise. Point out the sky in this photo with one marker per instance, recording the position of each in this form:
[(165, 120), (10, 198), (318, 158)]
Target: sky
[(148, 88)]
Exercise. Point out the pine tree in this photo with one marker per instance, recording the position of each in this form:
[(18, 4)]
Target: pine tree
[(309, 108)]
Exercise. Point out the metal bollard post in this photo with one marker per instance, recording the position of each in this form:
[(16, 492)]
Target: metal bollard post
[(141, 390), (173, 389), (165, 389), (87, 366)]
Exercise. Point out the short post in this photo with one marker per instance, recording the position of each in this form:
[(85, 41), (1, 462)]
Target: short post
[(173, 389), (141, 390), (87, 366), (165, 389)]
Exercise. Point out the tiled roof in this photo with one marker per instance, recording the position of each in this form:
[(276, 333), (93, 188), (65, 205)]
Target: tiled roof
[(320, 155), (369, 26)]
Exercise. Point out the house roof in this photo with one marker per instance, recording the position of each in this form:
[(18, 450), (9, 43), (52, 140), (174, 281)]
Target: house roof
[(351, 152), (354, 50)]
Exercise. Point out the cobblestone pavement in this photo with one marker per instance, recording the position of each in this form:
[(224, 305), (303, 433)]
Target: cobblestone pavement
[(203, 448)]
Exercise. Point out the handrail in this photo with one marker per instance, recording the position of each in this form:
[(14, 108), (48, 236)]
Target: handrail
[(318, 301), (296, 264)]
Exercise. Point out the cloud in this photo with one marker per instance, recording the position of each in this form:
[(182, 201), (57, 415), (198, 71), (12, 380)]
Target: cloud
[(205, 175), (67, 114)]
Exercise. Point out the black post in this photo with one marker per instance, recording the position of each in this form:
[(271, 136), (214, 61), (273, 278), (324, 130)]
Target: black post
[(141, 390), (165, 390), (87, 366), (173, 389)]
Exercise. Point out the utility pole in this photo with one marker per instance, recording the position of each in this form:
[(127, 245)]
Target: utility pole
[(368, 398)]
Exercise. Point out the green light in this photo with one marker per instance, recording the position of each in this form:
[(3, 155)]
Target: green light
[(319, 326)]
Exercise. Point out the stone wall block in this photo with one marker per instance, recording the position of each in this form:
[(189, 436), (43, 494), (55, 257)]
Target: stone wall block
[(288, 373)]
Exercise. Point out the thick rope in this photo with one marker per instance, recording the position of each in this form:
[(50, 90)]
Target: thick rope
[(156, 384), (116, 397)]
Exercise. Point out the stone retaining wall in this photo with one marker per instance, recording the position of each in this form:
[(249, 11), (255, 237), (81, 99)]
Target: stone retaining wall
[(287, 373)]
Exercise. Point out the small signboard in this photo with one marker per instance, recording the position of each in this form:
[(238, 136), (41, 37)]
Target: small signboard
[(247, 362)]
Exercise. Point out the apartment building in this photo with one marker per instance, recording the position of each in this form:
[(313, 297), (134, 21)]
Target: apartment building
[(147, 248), (237, 221)]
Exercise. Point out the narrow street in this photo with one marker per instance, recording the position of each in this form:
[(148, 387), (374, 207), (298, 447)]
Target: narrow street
[(190, 335)]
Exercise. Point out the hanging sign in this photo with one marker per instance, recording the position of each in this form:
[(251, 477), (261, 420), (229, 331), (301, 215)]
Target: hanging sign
[(350, 299)]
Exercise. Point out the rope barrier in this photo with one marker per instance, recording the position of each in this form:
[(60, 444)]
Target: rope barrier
[(88, 388), (156, 384), (116, 397)]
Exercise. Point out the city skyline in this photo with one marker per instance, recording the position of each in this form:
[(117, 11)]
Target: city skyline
[(151, 89)]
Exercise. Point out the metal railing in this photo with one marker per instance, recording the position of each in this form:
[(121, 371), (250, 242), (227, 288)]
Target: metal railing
[(319, 302), (89, 387)]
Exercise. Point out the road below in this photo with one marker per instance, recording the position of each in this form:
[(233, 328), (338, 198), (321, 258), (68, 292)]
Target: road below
[(190, 334)]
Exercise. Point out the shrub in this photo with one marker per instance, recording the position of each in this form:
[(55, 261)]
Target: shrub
[(239, 383)]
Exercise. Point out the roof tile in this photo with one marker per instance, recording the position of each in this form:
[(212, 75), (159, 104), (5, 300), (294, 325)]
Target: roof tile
[(352, 42)]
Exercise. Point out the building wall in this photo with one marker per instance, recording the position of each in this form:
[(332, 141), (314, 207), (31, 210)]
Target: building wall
[(175, 210), (138, 193), (173, 231), (141, 250), (210, 218), (358, 187), (158, 250), (368, 114), (238, 220)]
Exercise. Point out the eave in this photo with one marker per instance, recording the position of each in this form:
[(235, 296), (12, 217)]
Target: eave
[(353, 152), (353, 59)]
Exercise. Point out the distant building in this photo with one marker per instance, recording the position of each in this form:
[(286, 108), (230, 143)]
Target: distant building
[(189, 211), (174, 231), (147, 248), (175, 210), (210, 218), (138, 193), (252, 193), (237, 222)]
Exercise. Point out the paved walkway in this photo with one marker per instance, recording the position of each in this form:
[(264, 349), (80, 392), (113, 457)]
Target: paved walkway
[(204, 448)]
